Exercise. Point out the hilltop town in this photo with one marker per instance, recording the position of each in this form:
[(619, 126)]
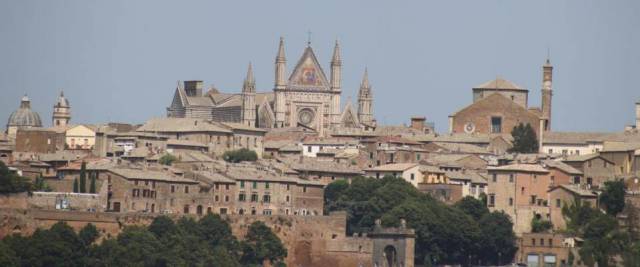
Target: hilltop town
[(280, 155)]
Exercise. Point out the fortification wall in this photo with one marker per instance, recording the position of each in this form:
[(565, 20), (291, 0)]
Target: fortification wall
[(310, 240)]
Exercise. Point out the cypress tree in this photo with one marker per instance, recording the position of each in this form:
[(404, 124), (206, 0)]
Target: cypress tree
[(92, 185), (83, 177), (75, 185)]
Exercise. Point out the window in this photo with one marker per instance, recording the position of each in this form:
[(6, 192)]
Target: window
[(266, 198), (288, 198), (533, 199), (223, 210), (576, 180), (550, 151), (186, 209), (241, 184), (541, 241), (496, 125), (553, 179), (494, 177), (153, 184), (242, 197), (533, 241), (255, 185), (309, 149), (492, 200), (226, 198), (226, 187), (370, 155), (418, 156), (216, 198), (589, 181), (511, 178), (558, 203), (186, 189), (304, 189), (510, 201), (288, 187), (266, 212), (550, 242), (266, 185), (135, 182), (413, 176), (254, 197)]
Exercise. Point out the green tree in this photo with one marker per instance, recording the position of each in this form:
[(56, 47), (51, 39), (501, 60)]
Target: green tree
[(539, 225), (92, 184), (473, 207), (524, 139), (262, 245), (83, 178), (41, 185), (601, 241), (162, 226), (11, 182), (612, 197), (75, 186), (88, 234), (333, 191), (8, 257), (167, 159), (240, 155), (498, 242)]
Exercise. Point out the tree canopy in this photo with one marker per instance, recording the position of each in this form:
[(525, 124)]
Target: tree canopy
[(612, 197), (167, 159), (455, 237), (10, 182), (524, 139), (207, 242), (240, 155)]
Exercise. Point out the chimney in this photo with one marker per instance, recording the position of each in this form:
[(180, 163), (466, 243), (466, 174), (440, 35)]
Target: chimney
[(418, 123)]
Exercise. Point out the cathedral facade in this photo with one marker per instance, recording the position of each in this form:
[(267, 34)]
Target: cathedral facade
[(307, 98)]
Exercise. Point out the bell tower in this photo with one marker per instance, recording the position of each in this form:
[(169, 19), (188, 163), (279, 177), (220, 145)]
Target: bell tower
[(61, 111), (365, 101), (547, 94)]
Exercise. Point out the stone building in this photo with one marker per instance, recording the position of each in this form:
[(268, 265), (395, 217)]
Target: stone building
[(547, 249), (23, 118), (39, 140), (307, 99), (61, 112), (565, 194), (595, 169), (499, 105)]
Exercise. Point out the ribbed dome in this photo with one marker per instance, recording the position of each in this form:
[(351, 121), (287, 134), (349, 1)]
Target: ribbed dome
[(24, 116)]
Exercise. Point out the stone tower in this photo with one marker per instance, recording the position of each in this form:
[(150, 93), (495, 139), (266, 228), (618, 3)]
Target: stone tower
[(336, 84), (61, 111), (638, 114), (249, 99), (280, 85), (547, 93), (365, 101), (393, 247)]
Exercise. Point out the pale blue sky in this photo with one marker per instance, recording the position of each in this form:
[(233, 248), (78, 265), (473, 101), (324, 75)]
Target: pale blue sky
[(120, 60)]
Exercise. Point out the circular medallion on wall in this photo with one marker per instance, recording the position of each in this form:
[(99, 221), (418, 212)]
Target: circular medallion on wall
[(305, 116), (469, 127)]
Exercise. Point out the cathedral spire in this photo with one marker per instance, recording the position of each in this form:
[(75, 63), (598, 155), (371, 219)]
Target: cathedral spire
[(280, 57), (336, 54), (365, 80), (249, 81)]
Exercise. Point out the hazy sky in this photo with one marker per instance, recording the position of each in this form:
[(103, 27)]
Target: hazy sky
[(120, 60)]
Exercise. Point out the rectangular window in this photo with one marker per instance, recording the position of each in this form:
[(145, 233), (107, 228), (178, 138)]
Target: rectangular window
[(510, 201), (496, 125), (492, 200), (266, 198), (241, 184), (186, 189), (255, 184), (413, 176), (576, 180), (242, 197), (494, 177), (511, 178), (288, 187), (266, 212), (266, 185), (558, 203), (309, 149), (589, 181), (304, 189), (254, 197)]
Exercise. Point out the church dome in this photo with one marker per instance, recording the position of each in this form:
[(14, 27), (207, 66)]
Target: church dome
[(24, 116)]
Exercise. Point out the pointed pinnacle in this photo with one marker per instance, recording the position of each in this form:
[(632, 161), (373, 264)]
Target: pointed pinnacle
[(336, 53), (365, 79), (280, 55)]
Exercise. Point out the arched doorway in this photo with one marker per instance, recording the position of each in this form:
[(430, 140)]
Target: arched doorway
[(390, 256)]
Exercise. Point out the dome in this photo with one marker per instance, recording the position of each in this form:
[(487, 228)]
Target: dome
[(62, 101), (24, 116)]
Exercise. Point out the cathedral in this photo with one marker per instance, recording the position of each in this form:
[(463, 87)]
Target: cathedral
[(306, 99)]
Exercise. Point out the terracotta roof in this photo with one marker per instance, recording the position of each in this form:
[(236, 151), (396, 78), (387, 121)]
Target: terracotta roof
[(176, 142), (393, 167), (520, 167), (500, 83), (192, 156), (462, 148), (431, 169), (573, 137), (562, 166), (581, 158), (473, 177), (240, 126), (181, 125), (576, 190), (138, 174), (613, 146)]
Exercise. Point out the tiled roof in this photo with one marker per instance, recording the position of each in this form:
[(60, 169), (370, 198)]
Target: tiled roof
[(520, 167), (177, 142), (499, 83), (181, 125), (615, 146), (139, 174), (576, 190), (473, 177), (393, 167), (462, 148), (581, 158), (573, 137), (240, 126), (562, 166)]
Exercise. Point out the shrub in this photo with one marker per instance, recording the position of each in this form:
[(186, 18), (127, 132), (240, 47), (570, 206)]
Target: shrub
[(239, 155)]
